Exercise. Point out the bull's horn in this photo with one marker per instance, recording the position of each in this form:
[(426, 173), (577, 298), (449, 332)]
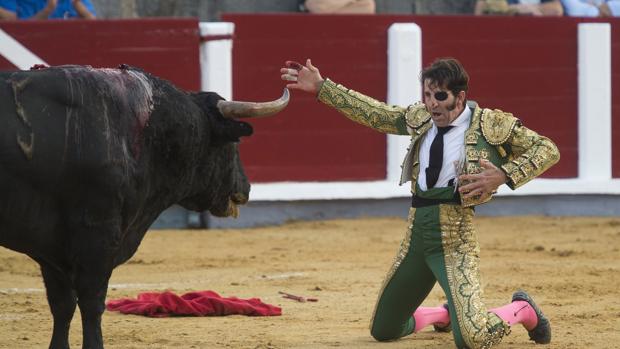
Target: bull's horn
[(239, 110)]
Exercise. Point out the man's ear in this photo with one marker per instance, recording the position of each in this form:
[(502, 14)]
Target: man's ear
[(461, 97)]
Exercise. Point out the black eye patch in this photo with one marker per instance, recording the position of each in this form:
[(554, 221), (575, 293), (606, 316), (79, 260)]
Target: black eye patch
[(441, 95)]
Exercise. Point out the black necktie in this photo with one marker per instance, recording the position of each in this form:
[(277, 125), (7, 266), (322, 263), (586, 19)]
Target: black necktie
[(436, 157)]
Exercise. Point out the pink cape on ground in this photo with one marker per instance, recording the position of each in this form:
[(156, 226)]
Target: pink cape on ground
[(202, 303)]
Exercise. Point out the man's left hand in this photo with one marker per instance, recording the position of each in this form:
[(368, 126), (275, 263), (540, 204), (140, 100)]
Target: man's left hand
[(484, 183)]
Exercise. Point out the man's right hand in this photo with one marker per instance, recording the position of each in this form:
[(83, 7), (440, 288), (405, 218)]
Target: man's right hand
[(306, 78)]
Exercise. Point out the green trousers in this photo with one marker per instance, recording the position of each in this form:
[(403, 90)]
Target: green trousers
[(439, 246)]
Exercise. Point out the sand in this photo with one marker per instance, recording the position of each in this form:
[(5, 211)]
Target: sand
[(571, 266)]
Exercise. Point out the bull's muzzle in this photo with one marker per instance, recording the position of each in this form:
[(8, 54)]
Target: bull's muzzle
[(240, 110)]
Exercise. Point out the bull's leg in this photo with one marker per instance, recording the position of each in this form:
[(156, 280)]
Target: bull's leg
[(92, 285), (62, 301), (92, 273), (96, 241)]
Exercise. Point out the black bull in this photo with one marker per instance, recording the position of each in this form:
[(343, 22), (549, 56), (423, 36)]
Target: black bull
[(90, 157)]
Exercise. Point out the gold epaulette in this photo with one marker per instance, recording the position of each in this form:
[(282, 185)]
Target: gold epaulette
[(497, 126), (417, 115)]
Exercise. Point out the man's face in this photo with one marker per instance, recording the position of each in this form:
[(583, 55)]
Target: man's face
[(443, 112)]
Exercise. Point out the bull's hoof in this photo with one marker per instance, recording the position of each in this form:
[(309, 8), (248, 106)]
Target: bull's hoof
[(541, 334)]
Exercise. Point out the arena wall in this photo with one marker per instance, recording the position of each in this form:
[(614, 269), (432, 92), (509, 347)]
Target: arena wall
[(309, 153)]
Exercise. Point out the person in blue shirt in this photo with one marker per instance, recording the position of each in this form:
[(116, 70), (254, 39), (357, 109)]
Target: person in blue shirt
[(46, 9)]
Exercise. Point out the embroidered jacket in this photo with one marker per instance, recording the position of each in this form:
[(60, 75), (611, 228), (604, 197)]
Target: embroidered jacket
[(492, 134)]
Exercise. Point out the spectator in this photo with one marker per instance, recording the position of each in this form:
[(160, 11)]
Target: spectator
[(42, 9), (6, 14), (592, 8), (340, 6), (519, 7)]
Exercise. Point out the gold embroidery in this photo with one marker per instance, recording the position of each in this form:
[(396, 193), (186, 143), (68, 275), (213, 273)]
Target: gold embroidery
[(527, 169), (484, 153), (501, 151), (417, 116), (415, 169), (472, 154), (479, 328), (532, 155), (497, 126), (473, 168), (471, 138), (363, 109), (538, 161)]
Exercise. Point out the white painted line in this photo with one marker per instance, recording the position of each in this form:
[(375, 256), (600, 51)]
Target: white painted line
[(20, 290), (17, 53)]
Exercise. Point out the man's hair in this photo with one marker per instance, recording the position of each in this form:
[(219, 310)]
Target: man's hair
[(446, 73)]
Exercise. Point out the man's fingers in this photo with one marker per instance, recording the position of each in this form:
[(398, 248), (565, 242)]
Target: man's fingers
[(288, 77), (486, 164), (289, 71), (310, 66), (294, 65), (473, 193), (469, 177), (469, 187), (468, 194)]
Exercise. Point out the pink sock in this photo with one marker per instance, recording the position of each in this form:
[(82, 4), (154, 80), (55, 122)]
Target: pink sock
[(518, 312), (425, 316)]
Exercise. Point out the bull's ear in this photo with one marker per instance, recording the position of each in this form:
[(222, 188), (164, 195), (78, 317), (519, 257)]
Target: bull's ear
[(224, 130), (207, 101)]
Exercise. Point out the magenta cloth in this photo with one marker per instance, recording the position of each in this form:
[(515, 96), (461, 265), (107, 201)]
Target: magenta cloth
[(202, 303)]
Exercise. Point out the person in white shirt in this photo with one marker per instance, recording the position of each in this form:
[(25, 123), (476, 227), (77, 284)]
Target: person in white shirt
[(459, 155), (592, 8), (519, 7)]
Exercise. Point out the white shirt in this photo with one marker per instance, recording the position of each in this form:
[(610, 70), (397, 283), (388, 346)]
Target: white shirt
[(589, 8), (453, 150)]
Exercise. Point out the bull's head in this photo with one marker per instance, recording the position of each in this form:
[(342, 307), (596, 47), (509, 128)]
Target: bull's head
[(225, 168)]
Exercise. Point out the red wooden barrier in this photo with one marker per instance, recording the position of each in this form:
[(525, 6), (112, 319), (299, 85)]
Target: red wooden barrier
[(167, 48)]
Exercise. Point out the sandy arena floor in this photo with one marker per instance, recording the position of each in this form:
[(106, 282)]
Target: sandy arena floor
[(570, 265)]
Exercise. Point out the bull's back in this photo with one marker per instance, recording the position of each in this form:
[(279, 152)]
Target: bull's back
[(64, 139), (61, 121)]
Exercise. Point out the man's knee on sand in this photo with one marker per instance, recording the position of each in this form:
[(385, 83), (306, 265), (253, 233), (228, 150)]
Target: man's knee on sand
[(385, 334), (391, 334)]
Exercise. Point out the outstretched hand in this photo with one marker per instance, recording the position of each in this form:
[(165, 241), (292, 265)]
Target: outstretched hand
[(306, 78), (484, 183)]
